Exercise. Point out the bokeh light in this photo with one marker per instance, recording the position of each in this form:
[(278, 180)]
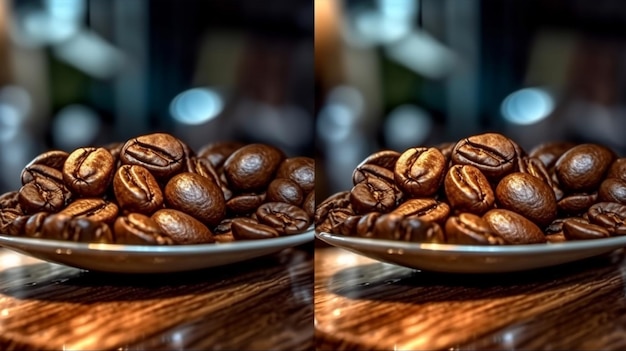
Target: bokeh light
[(196, 106), (527, 106)]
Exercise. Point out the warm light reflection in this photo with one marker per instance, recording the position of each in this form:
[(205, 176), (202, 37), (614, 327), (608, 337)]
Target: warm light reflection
[(346, 259), (10, 259)]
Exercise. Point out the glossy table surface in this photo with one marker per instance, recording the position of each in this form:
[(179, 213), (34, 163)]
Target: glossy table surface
[(362, 304), (260, 304)]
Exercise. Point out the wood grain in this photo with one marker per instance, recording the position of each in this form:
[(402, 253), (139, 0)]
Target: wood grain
[(363, 304), (261, 304)]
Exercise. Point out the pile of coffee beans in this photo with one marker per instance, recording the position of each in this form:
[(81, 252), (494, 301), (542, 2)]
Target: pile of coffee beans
[(483, 190), (155, 190)]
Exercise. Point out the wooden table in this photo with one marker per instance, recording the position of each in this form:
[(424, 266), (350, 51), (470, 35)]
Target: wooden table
[(261, 304), (364, 304)]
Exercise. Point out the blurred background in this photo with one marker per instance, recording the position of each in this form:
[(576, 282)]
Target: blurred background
[(89, 72), (392, 74)]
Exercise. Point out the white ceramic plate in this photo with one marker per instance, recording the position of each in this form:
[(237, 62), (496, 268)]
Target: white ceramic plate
[(473, 258), (149, 259)]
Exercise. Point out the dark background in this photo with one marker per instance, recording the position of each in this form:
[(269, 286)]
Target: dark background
[(88, 72), (396, 74)]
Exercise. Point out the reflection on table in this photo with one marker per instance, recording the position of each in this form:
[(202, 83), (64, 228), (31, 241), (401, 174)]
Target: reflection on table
[(260, 304), (361, 303)]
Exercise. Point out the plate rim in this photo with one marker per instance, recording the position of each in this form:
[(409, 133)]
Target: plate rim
[(408, 247), (26, 244)]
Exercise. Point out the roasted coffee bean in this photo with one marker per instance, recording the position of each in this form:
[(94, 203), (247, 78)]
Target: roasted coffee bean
[(34, 224), (42, 194), (535, 167), (147, 173), (285, 190), (618, 169), (528, 196), (162, 154), (387, 226), (16, 226), (470, 229), (527, 191), (417, 231), (397, 227), (53, 158), (348, 226), (576, 204), (369, 170), (10, 201), (492, 153), (384, 158), (95, 209), (419, 171), (224, 226), (391, 226), (610, 215), (187, 151), (137, 190), (115, 149), (139, 229), (88, 171), (583, 167), (203, 167), (548, 153), (29, 173), (89, 231), (337, 200), (217, 152), (556, 238), (224, 237), (55, 226), (63, 227), (555, 227), (6, 218), (520, 156), (513, 227), (222, 233), (308, 205), (579, 229), (333, 219), (285, 218), (556, 187), (247, 229), (468, 190), (365, 225), (197, 196), (446, 149), (426, 209), (252, 167), (374, 194), (613, 190), (380, 164), (299, 169), (245, 203), (182, 228)]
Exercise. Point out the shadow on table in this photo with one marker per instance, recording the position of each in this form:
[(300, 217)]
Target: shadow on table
[(52, 282), (380, 281)]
